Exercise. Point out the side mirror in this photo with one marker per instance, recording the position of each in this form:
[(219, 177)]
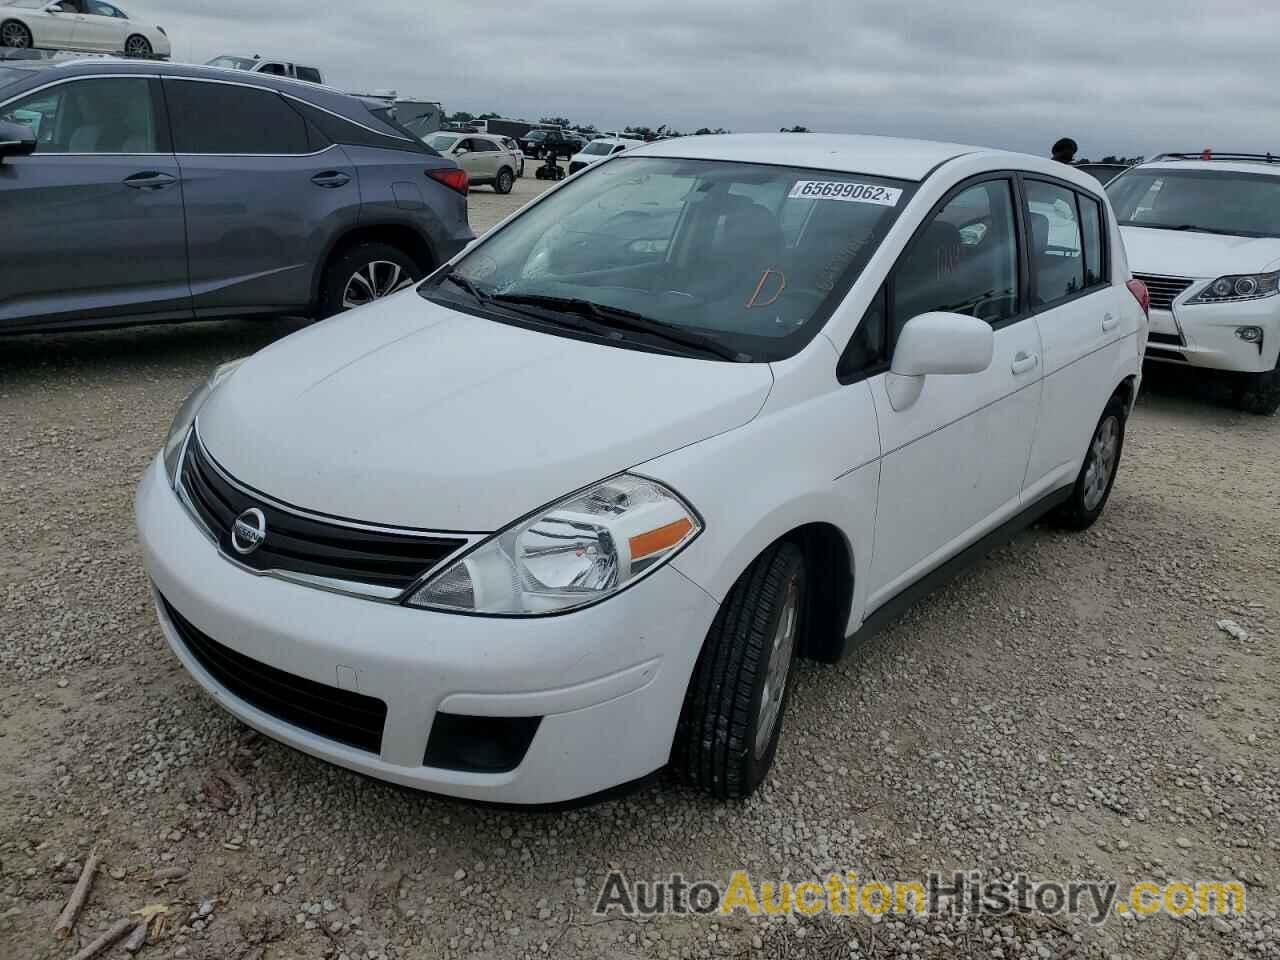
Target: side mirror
[(54, 8), (16, 140), (937, 344), (459, 151)]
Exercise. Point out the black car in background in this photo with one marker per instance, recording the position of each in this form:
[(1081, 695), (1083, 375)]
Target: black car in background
[(539, 143)]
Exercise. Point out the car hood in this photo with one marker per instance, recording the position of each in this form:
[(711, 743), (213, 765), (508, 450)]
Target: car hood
[(1198, 255), (407, 413)]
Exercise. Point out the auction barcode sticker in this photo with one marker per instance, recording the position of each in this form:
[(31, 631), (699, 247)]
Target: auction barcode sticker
[(843, 190)]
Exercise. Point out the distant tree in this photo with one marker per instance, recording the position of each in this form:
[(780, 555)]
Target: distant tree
[(703, 131), (557, 121), (489, 116), (795, 129), (1107, 159), (461, 117)]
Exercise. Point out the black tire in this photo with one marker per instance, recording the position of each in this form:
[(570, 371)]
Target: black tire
[(505, 181), (1259, 393), (138, 46), (520, 172), (15, 35), (342, 270), (718, 745), (1087, 499)]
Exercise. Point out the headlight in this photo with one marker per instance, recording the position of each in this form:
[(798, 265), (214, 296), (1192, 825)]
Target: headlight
[(584, 548), (1249, 286), (181, 425)]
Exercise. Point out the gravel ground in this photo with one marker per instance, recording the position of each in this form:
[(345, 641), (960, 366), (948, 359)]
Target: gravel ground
[(1069, 709)]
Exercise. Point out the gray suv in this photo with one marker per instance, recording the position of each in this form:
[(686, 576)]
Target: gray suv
[(136, 192)]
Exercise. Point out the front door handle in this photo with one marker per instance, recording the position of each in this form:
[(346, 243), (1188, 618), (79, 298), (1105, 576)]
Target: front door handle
[(150, 180), (331, 179), (1109, 321), (1024, 362)]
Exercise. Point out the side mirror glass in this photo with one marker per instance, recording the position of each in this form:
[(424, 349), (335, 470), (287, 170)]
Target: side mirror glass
[(459, 151), (16, 140)]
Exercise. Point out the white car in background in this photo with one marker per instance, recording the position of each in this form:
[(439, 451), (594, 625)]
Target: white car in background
[(1203, 234), (566, 513), (600, 148), (485, 157), (86, 26)]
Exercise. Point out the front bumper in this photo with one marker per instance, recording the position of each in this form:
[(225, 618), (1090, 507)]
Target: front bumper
[(608, 681), (1204, 335)]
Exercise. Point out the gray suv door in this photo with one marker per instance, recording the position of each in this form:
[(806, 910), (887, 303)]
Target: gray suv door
[(266, 195), (93, 220)]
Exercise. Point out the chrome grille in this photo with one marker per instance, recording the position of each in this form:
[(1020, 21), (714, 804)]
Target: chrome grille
[(376, 562), (1163, 290)]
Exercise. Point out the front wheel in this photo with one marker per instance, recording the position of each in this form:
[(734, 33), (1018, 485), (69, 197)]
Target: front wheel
[(363, 274), (504, 181), (732, 716), (137, 46), (1259, 393), (16, 35), (1098, 473)]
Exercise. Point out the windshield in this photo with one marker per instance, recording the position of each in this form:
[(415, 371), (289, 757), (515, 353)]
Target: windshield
[(597, 148), (233, 63), (753, 257), (536, 135), (442, 142), (1209, 201), (8, 75)]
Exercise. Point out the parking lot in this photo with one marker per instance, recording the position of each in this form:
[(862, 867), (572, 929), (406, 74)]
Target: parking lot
[(1069, 709)]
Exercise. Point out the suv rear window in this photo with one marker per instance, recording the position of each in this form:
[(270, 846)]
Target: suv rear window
[(250, 121)]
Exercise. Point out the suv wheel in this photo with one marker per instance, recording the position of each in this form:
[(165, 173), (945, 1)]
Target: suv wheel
[(1259, 392), (1098, 473), (732, 716), (137, 46), (504, 181), (363, 274)]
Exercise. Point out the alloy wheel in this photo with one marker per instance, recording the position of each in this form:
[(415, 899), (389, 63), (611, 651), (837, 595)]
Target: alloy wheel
[(15, 35), (375, 280), (137, 47), (1102, 462), (779, 668)]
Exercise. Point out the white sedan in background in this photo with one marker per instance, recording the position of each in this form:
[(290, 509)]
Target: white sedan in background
[(89, 26)]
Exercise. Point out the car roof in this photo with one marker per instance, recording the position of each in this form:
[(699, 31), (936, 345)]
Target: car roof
[(850, 153), (1222, 166)]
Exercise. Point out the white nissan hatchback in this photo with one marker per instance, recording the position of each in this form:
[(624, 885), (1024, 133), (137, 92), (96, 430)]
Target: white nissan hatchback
[(564, 514)]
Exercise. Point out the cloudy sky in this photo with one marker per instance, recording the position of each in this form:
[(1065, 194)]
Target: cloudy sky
[(1120, 76)]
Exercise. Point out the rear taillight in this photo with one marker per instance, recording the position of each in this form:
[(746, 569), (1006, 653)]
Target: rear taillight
[(453, 178), (1140, 293)]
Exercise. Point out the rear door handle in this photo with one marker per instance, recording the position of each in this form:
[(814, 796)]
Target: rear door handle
[(1110, 321), (331, 179), (1024, 362), (150, 180)]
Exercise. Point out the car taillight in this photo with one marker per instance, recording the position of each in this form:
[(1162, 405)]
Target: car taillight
[(453, 178), (1141, 294)]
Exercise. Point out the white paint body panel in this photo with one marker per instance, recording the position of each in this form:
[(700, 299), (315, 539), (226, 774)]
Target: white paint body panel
[(411, 414)]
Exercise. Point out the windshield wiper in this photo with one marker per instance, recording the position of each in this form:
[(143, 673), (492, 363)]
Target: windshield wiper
[(459, 280), (617, 318), (1183, 227)]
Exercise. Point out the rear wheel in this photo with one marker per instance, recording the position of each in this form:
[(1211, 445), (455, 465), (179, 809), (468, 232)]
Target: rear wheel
[(137, 46), (363, 274), (15, 34), (1259, 393), (504, 181), (732, 715), (1098, 473)]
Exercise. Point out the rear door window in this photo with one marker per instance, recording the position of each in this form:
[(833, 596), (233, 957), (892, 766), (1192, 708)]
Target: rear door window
[(250, 120), (97, 115), (1057, 264)]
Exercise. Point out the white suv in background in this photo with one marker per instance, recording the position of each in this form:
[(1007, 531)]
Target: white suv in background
[(600, 148), (487, 159), (1203, 234), (565, 514)]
